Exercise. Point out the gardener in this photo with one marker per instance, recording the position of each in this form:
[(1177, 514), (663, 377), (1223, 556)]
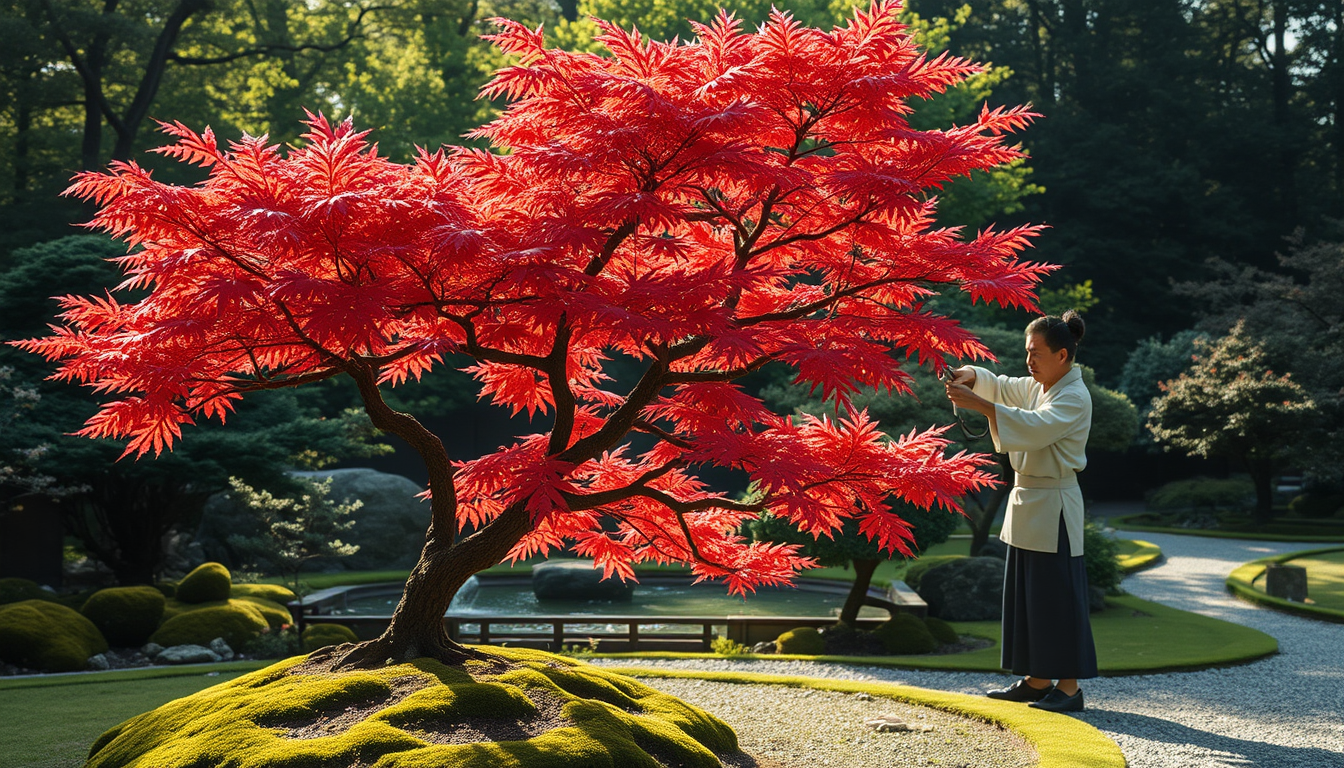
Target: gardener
[(1042, 422)]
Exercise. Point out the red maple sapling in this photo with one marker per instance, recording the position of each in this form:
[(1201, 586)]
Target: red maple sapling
[(703, 207)]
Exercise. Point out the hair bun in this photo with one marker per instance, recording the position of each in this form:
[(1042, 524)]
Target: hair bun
[(1076, 324)]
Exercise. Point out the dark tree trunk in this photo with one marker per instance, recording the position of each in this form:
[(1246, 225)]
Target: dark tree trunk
[(121, 522), (863, 577), (1262, 474), (1285, 165)]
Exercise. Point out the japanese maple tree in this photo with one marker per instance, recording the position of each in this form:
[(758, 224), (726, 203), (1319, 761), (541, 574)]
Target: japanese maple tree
[(703, 207)]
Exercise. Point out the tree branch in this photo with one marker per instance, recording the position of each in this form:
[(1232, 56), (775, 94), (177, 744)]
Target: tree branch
[(353, 32)]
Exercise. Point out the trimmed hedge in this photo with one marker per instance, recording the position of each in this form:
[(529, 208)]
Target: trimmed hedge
[(14, 590), (207, 583), (126, 616), (941, 631), (48, 636), (803, 640), (236, 621), (321, 635), (273, 592), (905, 634)]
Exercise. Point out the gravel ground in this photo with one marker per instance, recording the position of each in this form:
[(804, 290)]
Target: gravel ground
[(1286, 711)]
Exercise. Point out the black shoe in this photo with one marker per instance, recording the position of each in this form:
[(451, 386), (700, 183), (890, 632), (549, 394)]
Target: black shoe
[(1020, 691), (1059, 701)]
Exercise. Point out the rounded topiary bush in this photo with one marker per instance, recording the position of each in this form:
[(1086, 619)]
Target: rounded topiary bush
[(905, 634), (321, 635), (236, 621), (803, 640), (941, 631), (914, 573), (14, 590), (273, 592), (275, 614), (208, 582), (48, 636), (514, 707), (126, 616)]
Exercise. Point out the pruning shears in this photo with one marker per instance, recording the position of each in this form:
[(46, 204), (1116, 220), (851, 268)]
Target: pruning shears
[(945, 375)]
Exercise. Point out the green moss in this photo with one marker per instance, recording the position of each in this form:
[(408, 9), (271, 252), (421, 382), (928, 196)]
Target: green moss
[(237, 622), (47, 636), (904, 634), (168, 587), (942, 631), (207, 583), (126, 616), (805, 640), (321, 635), (243, 722), (273, 592), (15, 590), (1325, 583), (276, 615)]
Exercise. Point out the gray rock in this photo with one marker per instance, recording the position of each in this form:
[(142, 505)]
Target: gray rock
[(222, 648), (151, 649), (994, 548), (389, 527), (99, 661), (187, 654), (578, 580), (765, 646), (966, 589)]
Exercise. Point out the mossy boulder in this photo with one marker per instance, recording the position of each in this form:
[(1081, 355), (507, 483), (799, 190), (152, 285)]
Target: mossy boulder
[(321, 635), (237, 621), (14, 590), (126, 616), (40, 634), (803, 640), (275, 614), (207, 583), (905, 634), (942, 631), (515, 707), (273, 592)]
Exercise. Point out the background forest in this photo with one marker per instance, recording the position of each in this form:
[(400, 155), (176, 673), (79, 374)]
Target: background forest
[(1189, 162)]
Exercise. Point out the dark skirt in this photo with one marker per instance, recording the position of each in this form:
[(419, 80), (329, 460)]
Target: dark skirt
[(1046, 631)]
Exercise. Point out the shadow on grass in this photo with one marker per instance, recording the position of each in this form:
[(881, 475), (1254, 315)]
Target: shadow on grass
[(1230, 750)]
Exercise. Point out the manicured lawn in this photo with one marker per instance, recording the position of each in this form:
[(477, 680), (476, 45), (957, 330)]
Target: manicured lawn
[(1325, 583), (51, 722), (1286, 528), (1325, 578)]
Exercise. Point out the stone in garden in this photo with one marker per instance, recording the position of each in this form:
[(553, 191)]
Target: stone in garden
[(186, 654), (965, 589), (1286, 582), (578, 580), (151, 649), (887, 723), (994, 548), (99, 662), (222, 648), (391, 516), (765, 646)]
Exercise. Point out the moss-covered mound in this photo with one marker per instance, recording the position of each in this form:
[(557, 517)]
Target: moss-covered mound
[(803, 640), (516, 708), (43, 635), (236, 621), (126, 616), (14, 590), (321, 635), (273, 592), (942, 631), (274, 613), (207, 583), (905, 634)]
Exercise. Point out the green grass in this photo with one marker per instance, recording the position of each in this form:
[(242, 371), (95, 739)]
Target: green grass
[(1060, 741), (1133, 636), (1291, 529), (1325, 583), (1135, 555)]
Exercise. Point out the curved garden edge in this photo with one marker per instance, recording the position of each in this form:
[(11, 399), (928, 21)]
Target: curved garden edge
[(1121, 523), (1240, 583), (1124, 642), (1059, 740), (1144, 554)]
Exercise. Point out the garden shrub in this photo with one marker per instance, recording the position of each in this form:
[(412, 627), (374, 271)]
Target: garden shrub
[(905, 634), (168, 587), (803, 640), (207, 583), (274, 644), (126, 616), (276, 615), (1317, 505), (321, 635), (273, 592), (15, 590), (237, 622), (942, 631), (1100, 558), (48, 636), (1202, 493), (916, 570)]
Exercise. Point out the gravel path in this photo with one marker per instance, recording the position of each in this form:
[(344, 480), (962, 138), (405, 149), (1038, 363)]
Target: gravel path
[(1286, 711)]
